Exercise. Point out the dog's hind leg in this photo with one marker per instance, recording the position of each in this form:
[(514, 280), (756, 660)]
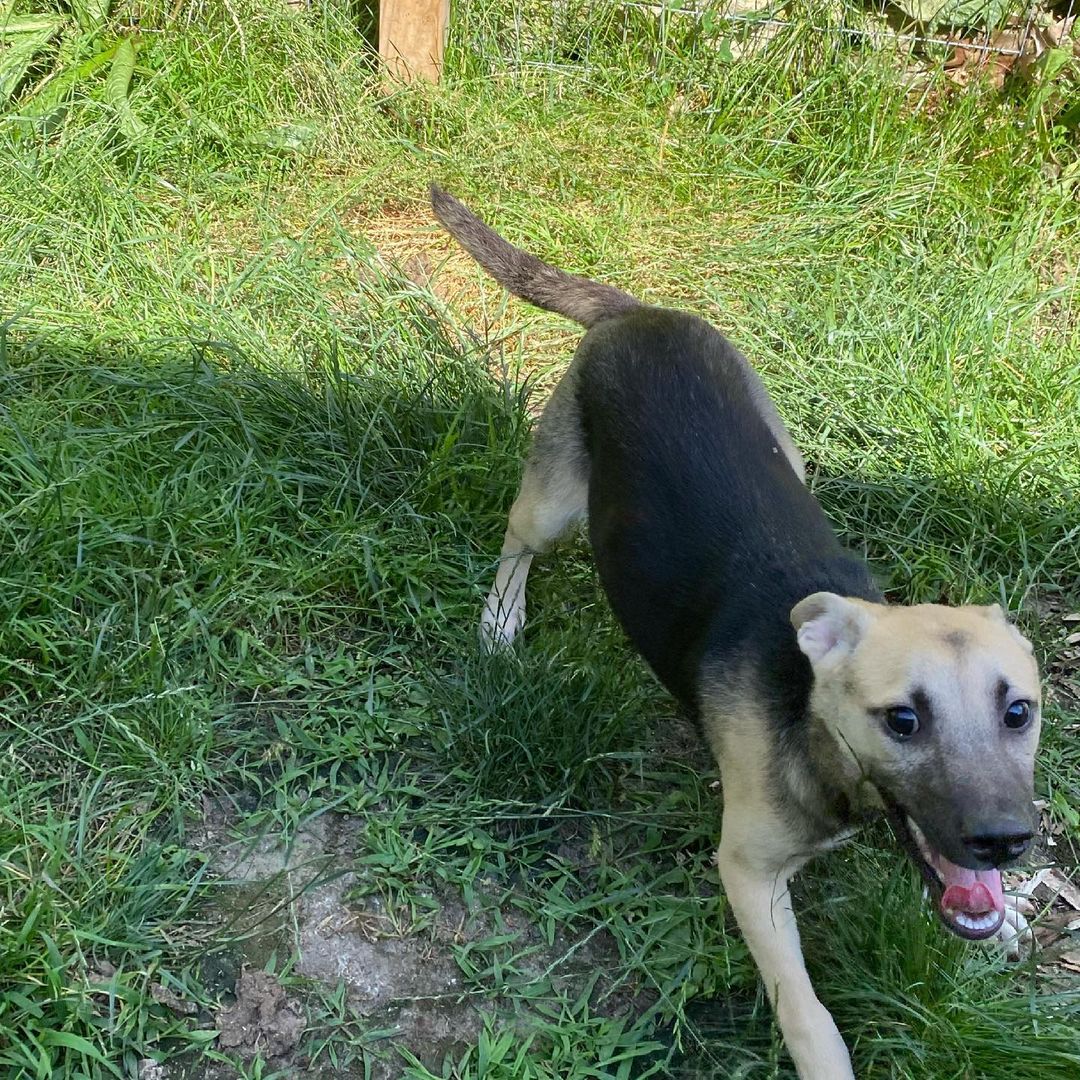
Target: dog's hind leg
[(544, 509), (552, 498)]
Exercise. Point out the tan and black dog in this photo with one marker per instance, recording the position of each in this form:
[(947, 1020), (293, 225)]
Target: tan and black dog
[(819, 700)]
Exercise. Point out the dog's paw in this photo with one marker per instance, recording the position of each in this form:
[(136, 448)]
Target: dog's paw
[(1015, 936), (500, 623)]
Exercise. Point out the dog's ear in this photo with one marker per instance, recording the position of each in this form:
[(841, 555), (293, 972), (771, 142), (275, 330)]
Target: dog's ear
[(828, 626), (996, 613)]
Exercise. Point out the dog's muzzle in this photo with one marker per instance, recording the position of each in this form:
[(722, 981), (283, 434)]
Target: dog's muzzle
[(971, 903)]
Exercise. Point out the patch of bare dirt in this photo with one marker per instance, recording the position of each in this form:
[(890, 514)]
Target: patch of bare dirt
[(293, 898), (411, 239), (390, 970)]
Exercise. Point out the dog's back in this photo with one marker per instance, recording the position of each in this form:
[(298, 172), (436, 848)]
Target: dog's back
[(703, 533)]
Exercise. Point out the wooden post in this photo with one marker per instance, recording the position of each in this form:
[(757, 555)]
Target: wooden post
[(412, 37)]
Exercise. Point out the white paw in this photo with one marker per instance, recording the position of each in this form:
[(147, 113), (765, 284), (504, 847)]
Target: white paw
[(501, 622), (1015, 935)]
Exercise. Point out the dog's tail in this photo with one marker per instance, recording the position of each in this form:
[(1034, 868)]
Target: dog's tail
[(584, 301)]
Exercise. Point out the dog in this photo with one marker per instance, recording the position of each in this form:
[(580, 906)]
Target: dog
[(821, 702)]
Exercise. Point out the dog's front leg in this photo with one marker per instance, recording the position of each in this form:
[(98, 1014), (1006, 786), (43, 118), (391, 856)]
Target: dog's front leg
[(755, 878)]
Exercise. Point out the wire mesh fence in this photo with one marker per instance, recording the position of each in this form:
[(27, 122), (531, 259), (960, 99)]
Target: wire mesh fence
[(573, 36)]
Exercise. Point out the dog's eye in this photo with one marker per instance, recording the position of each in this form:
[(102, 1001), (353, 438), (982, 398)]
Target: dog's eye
[(902, 721), (1017, 715)]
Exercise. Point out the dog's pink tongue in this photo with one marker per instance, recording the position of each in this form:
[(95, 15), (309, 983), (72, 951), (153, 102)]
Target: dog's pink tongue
[(975, 892)]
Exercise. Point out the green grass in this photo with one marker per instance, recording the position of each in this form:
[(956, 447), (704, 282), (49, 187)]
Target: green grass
[(253, 477)]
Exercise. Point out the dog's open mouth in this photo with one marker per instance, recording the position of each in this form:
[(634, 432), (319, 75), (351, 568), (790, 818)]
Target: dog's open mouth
[(971, 903)]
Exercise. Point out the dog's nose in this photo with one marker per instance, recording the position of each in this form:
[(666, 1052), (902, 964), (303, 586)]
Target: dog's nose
[(998, 842)]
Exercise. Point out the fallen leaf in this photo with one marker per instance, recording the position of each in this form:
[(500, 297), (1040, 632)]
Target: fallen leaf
[(1063, 887), (1045, 936), (1070, 960), (958, 58), (1027, 887), (1059, 31)]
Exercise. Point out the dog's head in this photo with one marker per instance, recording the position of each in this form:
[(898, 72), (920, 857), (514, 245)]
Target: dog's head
[(938, 709)]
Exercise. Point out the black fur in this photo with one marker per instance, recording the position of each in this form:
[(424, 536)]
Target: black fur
[(704, 537)]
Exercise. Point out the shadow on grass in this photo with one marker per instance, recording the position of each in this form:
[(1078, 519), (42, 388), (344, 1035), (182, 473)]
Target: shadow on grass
[(201, 556)]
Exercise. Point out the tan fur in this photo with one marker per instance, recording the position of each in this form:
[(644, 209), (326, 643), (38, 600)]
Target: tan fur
[(956, 656), (757, 857)]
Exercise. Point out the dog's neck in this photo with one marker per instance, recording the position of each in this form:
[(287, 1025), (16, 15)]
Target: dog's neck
[(823, 790)]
